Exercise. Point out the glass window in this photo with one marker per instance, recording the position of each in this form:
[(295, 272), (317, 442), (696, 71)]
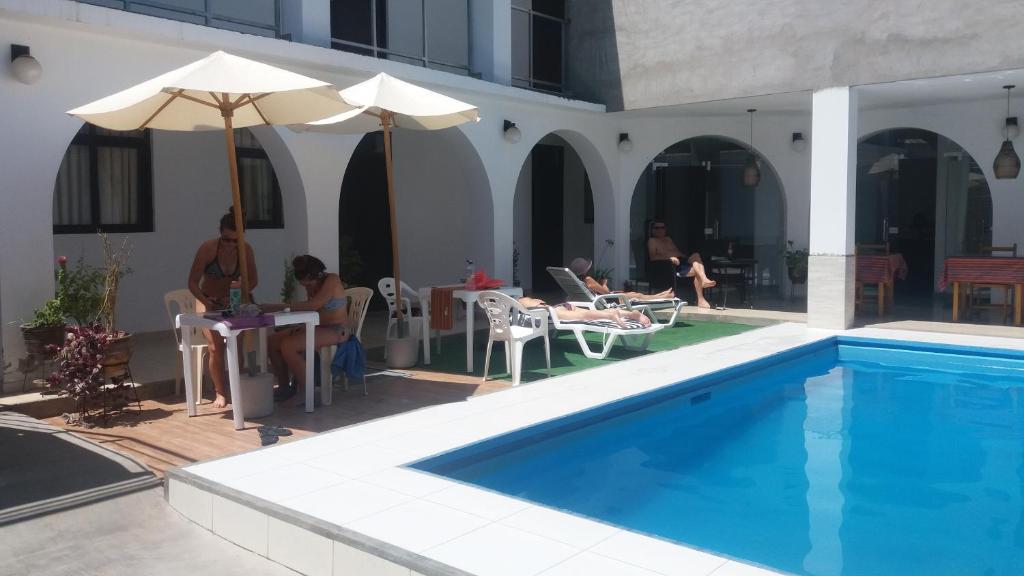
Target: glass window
[(257, 183), (538, 49), (104, 183), (261, 17)]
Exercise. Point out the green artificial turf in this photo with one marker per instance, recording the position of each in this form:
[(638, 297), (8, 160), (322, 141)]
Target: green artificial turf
[(566, 356)]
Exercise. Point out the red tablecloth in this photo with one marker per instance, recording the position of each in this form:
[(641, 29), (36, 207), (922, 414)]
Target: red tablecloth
[(874, 268), (980, 269)]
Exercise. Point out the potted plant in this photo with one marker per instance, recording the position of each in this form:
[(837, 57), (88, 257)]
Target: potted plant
[(81, 374), (796, 263), (48, 325), (115, 268), (288, 286)]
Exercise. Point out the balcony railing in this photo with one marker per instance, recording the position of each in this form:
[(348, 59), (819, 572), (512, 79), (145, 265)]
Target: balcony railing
[(260, 17), (538, 46), (437, 38)]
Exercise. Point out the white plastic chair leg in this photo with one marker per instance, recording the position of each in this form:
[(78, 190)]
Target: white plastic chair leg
[(200, 356), (547, 353), (178, 373), (326, 381), (487, 358), (508, 358), (517, 362)]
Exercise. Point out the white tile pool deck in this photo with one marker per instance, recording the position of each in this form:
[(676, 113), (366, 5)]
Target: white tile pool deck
[(341, 502)]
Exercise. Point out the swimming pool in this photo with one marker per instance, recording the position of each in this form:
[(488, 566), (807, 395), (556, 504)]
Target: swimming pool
[(845, 457)]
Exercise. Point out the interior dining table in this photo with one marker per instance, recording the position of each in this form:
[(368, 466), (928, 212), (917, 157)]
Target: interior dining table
[(983, 270)]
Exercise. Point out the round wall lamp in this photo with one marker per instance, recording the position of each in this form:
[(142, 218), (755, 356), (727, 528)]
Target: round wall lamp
[(24, 67), (511, 132), (625, 144), (798, 143)]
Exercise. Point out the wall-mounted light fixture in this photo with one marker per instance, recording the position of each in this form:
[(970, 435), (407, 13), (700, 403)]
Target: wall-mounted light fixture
[(1011, 127), (798, 143), (751, 171), (625, 144), (24, 67), (511, 132), (1006, 166)]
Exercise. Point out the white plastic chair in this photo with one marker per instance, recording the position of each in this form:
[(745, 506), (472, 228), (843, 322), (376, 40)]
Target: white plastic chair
[(185, 303), (501, 311), (358, 304), (386, 287)]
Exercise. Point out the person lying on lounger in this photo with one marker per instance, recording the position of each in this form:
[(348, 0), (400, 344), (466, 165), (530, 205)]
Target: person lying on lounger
[(580, 267), (568, 312)]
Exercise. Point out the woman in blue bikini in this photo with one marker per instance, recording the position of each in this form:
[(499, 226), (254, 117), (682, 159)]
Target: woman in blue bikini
[(214, 268), (324, 294)]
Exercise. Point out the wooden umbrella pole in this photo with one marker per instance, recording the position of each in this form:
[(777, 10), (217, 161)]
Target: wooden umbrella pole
[(236, 200), (385, 122)]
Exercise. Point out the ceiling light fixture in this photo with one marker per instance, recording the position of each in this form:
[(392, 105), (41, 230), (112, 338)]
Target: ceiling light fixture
[(751, 171), (798, 144), (1007, 164)]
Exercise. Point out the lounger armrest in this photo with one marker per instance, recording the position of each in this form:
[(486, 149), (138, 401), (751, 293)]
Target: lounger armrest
[(616, 300)]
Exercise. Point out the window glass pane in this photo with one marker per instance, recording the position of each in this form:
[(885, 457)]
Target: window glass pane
[(448, 32), (196, 5), (255, 11), (554, 8), (257, 186), (350, 20), (140, 134), (520, 45), (547, 50), (117, 171), (522, 4), (71, 200), (244, 138), (405, 28)]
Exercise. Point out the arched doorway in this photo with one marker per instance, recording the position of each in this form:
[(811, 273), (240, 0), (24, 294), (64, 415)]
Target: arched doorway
[(696, 187), (920, 195), (444, 209), (554, 216)]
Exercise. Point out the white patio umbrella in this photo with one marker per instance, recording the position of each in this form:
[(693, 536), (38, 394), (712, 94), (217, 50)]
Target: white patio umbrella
[(384, 103), (219, 92)]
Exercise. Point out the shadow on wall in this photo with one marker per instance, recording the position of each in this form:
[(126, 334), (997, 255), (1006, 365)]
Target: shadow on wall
[(593, 50)]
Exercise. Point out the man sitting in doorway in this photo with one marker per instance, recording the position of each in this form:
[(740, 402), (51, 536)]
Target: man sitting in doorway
[(661, 249)]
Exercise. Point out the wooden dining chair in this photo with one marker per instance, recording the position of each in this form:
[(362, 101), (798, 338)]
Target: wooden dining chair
[(885, 291), (978, 291)]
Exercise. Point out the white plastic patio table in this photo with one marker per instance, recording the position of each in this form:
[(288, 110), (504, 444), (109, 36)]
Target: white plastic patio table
[(310, 319), (469, 297)]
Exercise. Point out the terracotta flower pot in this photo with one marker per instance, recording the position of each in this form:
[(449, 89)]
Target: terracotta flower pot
[(117, 355), (39, 338)]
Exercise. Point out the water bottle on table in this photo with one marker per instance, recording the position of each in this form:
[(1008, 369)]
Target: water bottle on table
[(235, 296)]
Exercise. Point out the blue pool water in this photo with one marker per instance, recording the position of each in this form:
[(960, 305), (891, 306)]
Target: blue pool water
[(849, 457)]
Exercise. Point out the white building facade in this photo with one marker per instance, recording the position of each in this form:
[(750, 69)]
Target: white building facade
[(461, 193)]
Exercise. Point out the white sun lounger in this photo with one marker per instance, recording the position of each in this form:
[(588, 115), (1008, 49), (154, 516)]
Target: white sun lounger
[(580, 295), (635, 338)]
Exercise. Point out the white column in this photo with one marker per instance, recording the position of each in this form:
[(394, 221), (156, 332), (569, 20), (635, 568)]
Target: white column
[(490, 28), (831, 268)]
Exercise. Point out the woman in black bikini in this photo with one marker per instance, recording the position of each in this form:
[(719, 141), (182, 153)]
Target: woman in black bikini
[(209, 280)]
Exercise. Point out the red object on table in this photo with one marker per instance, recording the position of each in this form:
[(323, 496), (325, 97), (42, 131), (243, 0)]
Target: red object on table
[(975, 269), (480, 281), (874, 269)]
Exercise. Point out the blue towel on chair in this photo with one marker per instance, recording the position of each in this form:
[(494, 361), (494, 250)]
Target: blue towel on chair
[(349, 358)]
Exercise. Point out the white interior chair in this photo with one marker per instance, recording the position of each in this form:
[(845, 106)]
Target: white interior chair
[(357, 306), (505, 316), (410, 298), (183, 302)]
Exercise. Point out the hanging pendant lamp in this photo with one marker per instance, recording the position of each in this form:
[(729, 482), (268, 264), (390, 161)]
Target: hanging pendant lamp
[(751, 171), (1007, 164)]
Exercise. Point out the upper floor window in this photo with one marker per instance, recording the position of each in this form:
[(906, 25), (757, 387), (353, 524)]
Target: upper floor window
[(405, 31), (257, 183), (538, 44), (104, 183), (261, 17)]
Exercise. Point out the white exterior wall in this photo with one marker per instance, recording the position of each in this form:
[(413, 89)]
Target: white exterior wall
[(454, 189)]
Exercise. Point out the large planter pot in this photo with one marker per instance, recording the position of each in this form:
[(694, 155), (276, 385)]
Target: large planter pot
[(797, 275), (39, 338), (403, 352), (117, 355)]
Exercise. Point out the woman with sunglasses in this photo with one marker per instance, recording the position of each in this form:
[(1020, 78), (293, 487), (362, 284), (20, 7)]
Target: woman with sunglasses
[(214, 268), (668, 262), (325, 294)]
